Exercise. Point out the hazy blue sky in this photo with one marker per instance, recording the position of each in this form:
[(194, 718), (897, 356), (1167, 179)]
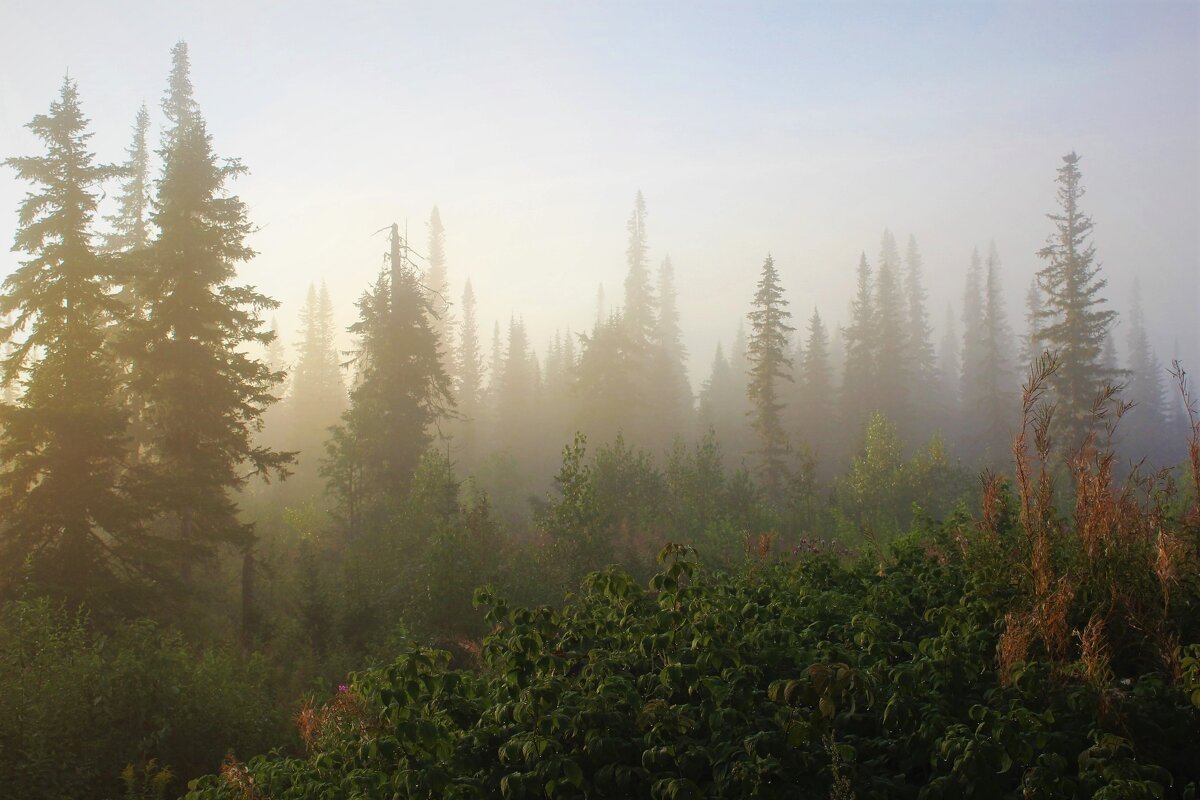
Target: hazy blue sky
[(799, 129)]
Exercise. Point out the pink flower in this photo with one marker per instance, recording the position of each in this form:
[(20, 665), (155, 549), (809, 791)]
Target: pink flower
[(343, 688)]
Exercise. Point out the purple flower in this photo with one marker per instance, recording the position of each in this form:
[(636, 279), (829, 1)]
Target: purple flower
[(343, 688)]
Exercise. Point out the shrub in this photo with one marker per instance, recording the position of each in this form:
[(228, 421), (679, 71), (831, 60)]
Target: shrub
[(77, 707)]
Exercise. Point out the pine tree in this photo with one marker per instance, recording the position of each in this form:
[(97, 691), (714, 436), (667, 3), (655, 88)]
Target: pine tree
[(950, 373), (890, 345), (767, 352), (556, 411), (991, 398), (469, 375), (204, 394), (129, 240), (972, 336), (276, 353), (516, 407), (131, 223), (722, 402), (402, 392), (671, 394), (920, 358), (1108, 355), (1029, 342), (1074, 322), (1146, 425), (859, 384), (606, 381), (816, 395), (66, 520), (640, 310), (437, 288), (318, 393)]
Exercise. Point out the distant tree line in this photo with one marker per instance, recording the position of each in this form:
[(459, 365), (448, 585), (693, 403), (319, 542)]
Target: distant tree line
[(141, 380)]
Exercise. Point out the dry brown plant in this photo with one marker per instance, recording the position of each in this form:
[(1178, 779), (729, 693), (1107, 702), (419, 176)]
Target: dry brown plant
[(1014, 644), (346, 714), (239, 780)]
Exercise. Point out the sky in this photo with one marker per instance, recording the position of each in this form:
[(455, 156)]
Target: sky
[(797, 129)]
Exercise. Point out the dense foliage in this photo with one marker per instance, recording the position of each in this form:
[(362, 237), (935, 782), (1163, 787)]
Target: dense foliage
[(77, 705), (794, 677)]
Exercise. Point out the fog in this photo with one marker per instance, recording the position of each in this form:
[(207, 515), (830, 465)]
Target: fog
[(690, 539), (802, 131)]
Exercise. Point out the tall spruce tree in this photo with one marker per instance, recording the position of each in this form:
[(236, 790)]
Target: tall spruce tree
[(635, 411), (468, 376), (606, 381), (950, 367), (767, 352), (890, 341), (816, 395), (67, 524), (1074, 320), (131, 222), (722, 405), (518, 426), (437, 287), (317, 395), (204, 394), (640, 307), (859, 385), (1033, 309), (972, 335), (401, 393), (993, 398), (1147, 425), (672, 395), (129, 239), (922, 361)]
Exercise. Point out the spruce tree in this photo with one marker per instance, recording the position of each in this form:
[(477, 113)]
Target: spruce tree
[(722, 405), (606, 381), (1108, 355), (437, 288), (949, 399), (401, 393), (890, 345), (517, 425), (972, 336), (468, 374), (1146, 426), (1074, 320), (640, 308), (1033, 309), (318, 394), (131, 222), (672, 394), (993, 398), (67, 523), (920, 358), (204, 394), (494, 370), (767, 352), (816, 395), (129, 240), (859, 385)]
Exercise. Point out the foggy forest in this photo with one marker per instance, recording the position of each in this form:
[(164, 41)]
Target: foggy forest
[(610, 401)]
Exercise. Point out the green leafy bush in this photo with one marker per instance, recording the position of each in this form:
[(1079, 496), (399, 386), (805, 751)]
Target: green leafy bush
[(792, 678), (77, 707)]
